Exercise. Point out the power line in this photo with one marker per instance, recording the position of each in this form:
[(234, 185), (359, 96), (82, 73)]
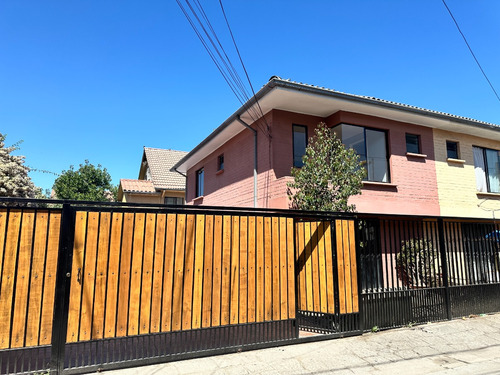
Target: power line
[(470, 49)]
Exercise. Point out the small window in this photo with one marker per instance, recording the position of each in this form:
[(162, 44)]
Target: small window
[(413, 143), (452, 150), (220, 162), (199, 182), (177, 201), (299, 144)]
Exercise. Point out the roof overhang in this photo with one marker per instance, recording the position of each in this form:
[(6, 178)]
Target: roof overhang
[(317, 101)]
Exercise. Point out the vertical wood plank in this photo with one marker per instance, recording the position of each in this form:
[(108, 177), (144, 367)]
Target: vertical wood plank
[(235, 270), (113, 274), (217, 272), (198, 271), (260, 317), (309, 267), (101, 276), (354, 272), (76, 276), (3, 232), (315, 267), (49, 283), (187, 302), (268, 268), (36, 278), (136, 274), (340, 266), (301, 264), (124, 275), (206, 315), (330, 282), (169, 271), (347, 265), (283, 269), (179, 273), (251, 269), (291, 268), (243, 269), (276, 268), (88, 276), (147, 274), (322, 268), (159, 257), (226, 270), (22, 279)]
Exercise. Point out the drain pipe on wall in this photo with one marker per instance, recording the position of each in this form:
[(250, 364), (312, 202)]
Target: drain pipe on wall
[(254, 159)]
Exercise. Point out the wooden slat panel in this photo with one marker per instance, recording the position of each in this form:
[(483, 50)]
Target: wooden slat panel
[(36, 279), (309, 268), (179, 273), (217, 272), (226, 270), (354, 273), (8, 275), (124, 275), (276, 268), (88, 276), (158, 263), (101, 276), (147, 274), (340, 266), (291, 268), (113, 274), (251, 269), (76, 276), (301, 264), (198, 271), (283, 269), (187, 304), (3, 232), (268, 264), (322, 267), (243, 270), (235, 270), (169, 271), (260, 317), (330, 282), (22, 279), (206, 315), (347, 265), (49, 283), (315, 267), (136, 274)]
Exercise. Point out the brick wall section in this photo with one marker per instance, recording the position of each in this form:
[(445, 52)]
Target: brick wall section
[(457, 182)]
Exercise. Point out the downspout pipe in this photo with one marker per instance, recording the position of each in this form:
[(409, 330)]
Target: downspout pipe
[(254, 158)]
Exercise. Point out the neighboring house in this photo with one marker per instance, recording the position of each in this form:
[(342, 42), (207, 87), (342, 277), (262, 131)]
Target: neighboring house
[(418, 161), (157, 184)]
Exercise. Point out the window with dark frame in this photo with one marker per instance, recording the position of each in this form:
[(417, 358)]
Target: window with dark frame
[(452, 150), (299, 144), (220, 162), (413, 143), (199, 182), (177, 201)]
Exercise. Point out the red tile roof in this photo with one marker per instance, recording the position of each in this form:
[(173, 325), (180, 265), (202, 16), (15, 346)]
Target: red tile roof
[(137, 186)]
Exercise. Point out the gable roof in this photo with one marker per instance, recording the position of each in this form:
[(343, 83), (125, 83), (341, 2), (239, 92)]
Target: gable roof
[(137, 186), (318, 101), (160, 163)]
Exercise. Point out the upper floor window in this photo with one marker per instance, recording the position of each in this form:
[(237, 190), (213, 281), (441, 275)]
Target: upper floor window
[(452, 150), (487, 168), (220, 162), (199, 182), (413, 143), (371, 146), (299, 144)]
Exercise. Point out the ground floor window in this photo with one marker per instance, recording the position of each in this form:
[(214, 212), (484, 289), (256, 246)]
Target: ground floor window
[(177, 201)]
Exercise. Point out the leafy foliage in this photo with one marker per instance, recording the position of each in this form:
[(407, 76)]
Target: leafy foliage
[(330, 175), (417, 263), (88, 183), (14, 179)]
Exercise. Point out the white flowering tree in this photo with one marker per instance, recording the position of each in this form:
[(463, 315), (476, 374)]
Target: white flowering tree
[(14, 179)]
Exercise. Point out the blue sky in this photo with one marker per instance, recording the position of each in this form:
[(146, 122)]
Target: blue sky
[(100, 79)]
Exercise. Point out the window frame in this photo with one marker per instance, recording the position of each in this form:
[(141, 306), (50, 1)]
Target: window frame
[(200, 182), (220, 165), (457, 150), (294, 126), (486, 168), (177, 201), (419, 143)]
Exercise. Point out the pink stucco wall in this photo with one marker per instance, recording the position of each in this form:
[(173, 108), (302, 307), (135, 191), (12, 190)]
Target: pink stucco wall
[(413, 188)]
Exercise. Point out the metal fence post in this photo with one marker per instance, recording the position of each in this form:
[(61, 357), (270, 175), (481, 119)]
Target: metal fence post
[(63, 283), (444, 265)]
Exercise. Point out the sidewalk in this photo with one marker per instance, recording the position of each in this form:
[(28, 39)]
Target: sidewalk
[(463, 346)]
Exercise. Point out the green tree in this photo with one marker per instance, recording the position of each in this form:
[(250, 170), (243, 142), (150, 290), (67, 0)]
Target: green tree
[(330, 175), (14, 179), (87, 183)]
